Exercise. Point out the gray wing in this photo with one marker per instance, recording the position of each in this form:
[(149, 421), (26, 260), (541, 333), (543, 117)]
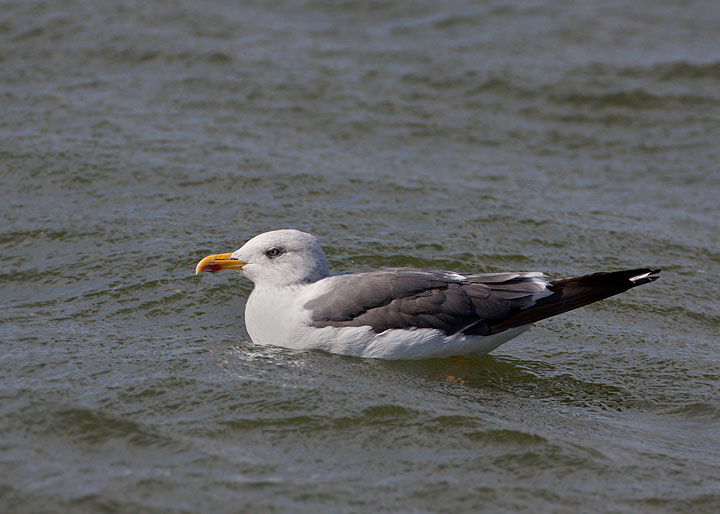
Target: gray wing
[(413, 298)]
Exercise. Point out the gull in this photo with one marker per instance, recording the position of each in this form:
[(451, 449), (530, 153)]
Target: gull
[(396, 313)]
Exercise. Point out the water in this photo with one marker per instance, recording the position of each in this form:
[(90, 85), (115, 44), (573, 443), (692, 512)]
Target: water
[(565, 137)]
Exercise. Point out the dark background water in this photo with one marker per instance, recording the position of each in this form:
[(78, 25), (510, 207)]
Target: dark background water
[(564, 137)]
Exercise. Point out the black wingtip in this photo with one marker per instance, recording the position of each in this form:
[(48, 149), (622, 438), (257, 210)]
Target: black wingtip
[(646, 276), (571, 293)]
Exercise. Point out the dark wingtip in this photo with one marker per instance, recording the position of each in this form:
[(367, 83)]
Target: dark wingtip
[(645, 276)]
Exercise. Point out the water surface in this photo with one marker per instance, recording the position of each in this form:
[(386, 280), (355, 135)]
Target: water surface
[(564, 137)]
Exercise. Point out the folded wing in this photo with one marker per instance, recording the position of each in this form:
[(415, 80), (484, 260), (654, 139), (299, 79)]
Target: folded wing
[(404, 298), (474, 304)]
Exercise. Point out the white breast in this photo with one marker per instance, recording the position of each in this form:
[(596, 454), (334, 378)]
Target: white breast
[(275, 315)]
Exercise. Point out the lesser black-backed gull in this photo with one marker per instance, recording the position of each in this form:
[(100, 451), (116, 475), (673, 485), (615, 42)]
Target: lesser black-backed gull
[(397, 313)]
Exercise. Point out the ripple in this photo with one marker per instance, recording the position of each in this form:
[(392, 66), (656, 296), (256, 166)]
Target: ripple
[(528, 379), (632, 99), (132, 55), (699, 411), (664, 71), (689, 70), (507, 436), (91, 426)]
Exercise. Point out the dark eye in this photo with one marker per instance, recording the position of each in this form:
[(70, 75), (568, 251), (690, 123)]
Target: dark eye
[(273, 252)]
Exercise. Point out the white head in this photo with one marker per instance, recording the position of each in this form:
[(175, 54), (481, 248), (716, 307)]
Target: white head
[(279, 258)]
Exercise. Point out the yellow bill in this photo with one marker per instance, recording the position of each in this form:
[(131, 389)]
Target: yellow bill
[(218, 262)]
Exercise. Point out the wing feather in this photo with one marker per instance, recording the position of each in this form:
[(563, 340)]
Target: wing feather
[(413, 298)]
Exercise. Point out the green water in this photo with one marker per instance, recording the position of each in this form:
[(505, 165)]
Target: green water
[(563, 137)]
